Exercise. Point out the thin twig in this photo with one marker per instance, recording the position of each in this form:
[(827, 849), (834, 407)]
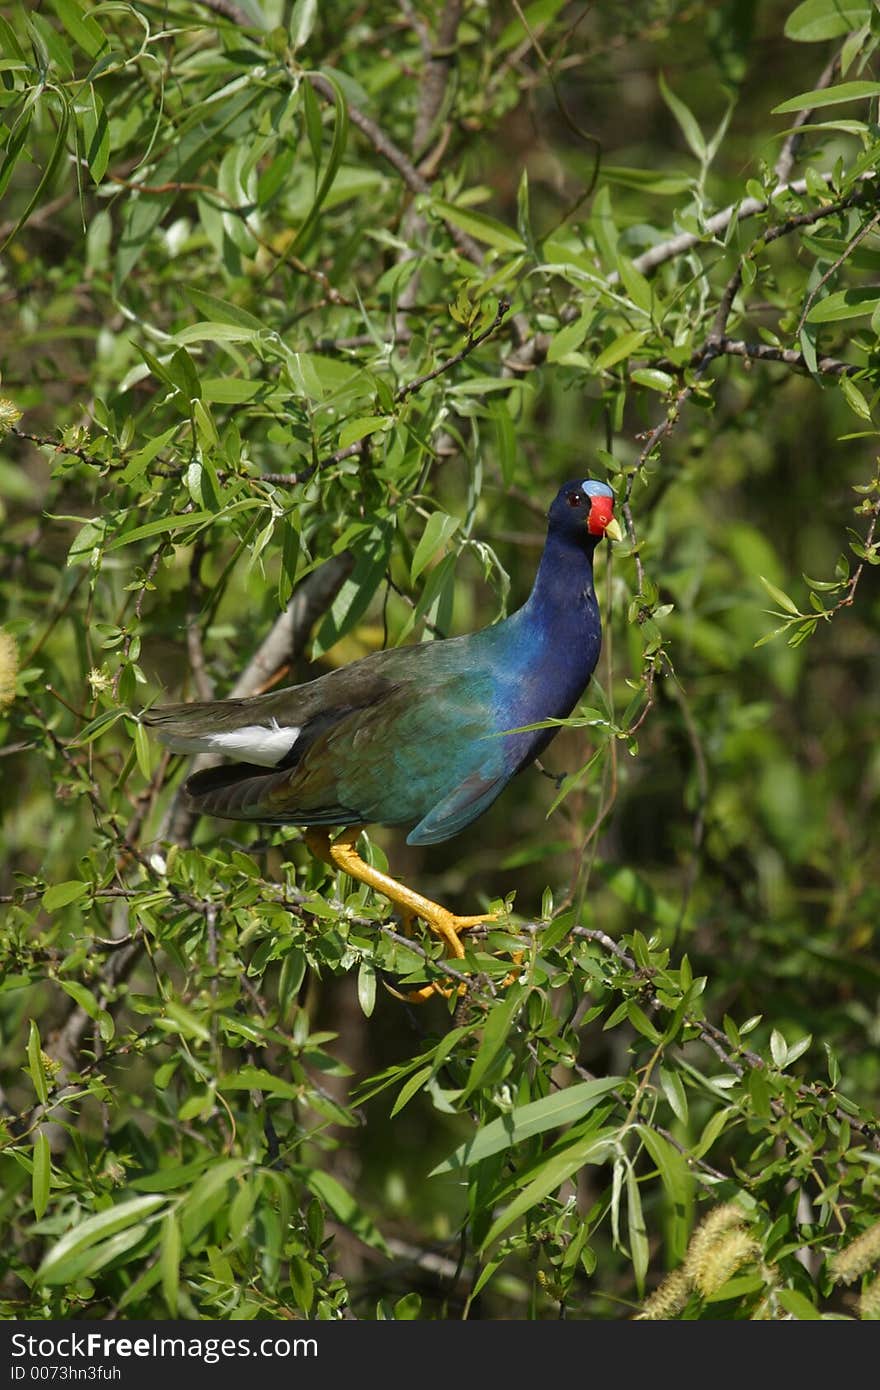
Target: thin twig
[(791, 144), (832, 269), (473, 342)]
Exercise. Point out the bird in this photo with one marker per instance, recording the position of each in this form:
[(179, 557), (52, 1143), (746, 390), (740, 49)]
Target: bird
[(423, 737)]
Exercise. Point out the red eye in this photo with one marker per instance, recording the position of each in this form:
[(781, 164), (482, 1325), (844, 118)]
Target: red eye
[(574, 499)]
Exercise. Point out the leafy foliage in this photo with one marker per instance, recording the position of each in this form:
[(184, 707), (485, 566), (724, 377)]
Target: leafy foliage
[(309, 315)]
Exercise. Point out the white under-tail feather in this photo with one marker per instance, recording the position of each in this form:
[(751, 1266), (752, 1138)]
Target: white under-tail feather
[(263, 744)]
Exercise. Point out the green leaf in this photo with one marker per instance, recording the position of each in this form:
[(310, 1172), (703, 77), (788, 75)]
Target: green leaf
[(365, 425), (140, 462), (828, 96), (638, 1234), (854, 398), (302, 1282), (357, 592), (673, 1090), (497, 1027), (845, 304), (55, 1266), (817, 20), (439, 529), (677, 1182), (411, 1087), (209, 1194), (568, 339), (62, 894), (81, 27), (594, 1148), (479, 226), (96, 133), (169, 1262), (218, 310), (143, 751), (42, 1175), (620, 348), (302, 22), (35, 1063), (686, 120), (83, 996), (798, 1305), (366, 987), (331, 169), (346, 1209), (653, 379), (59, 148), (779, 596), (562, 1107), (161, 525)]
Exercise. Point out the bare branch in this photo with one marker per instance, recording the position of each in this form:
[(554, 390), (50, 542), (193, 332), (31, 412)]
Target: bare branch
[(442, 55), (395, 156)]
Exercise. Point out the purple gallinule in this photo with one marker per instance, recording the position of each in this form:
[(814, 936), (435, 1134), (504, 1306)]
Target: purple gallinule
[(416, 736)]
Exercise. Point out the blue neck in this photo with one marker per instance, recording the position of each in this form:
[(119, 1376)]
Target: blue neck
[(550, 646), (562, 600)]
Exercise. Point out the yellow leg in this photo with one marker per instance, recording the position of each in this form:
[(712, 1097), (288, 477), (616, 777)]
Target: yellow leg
[(341, 854)]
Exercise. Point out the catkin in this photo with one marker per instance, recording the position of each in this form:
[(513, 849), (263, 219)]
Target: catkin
[(718, 1247), (668, 1299), (718, 1262), (869, 1303), (858, 1256), (8, 669), (9, 416)]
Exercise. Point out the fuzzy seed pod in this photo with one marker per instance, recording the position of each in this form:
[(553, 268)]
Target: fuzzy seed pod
[(8, 669), (9, 416), (855, 1258), (668, 1299), (715, 1224), (718, 1262), (869, 1303)]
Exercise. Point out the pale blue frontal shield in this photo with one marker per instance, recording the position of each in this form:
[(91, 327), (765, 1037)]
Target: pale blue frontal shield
[(594, 489)]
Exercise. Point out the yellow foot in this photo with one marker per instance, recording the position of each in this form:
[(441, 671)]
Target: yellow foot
[(342, 854), (449, 927)]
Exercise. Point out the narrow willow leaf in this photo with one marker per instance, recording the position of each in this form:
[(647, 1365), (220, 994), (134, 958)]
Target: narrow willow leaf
[(686, 120), (346, 1209), (439, 529), (828, 96), (169, 1262), (94, 1229), (35, 1063), (42, 1175), (551, 1112), (331, 169), (673, 1090), (638, 1234), (596, 1148), (498, 1025), (779, 596), (479, 226), (814, 21), (410, 1088), (366, 988)]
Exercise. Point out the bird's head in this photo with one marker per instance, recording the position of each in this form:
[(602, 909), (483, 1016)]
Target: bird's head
[(584, 507)]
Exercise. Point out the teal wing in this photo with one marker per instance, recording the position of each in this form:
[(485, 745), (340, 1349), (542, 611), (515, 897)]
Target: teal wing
[(405, 737), (469, 799)]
